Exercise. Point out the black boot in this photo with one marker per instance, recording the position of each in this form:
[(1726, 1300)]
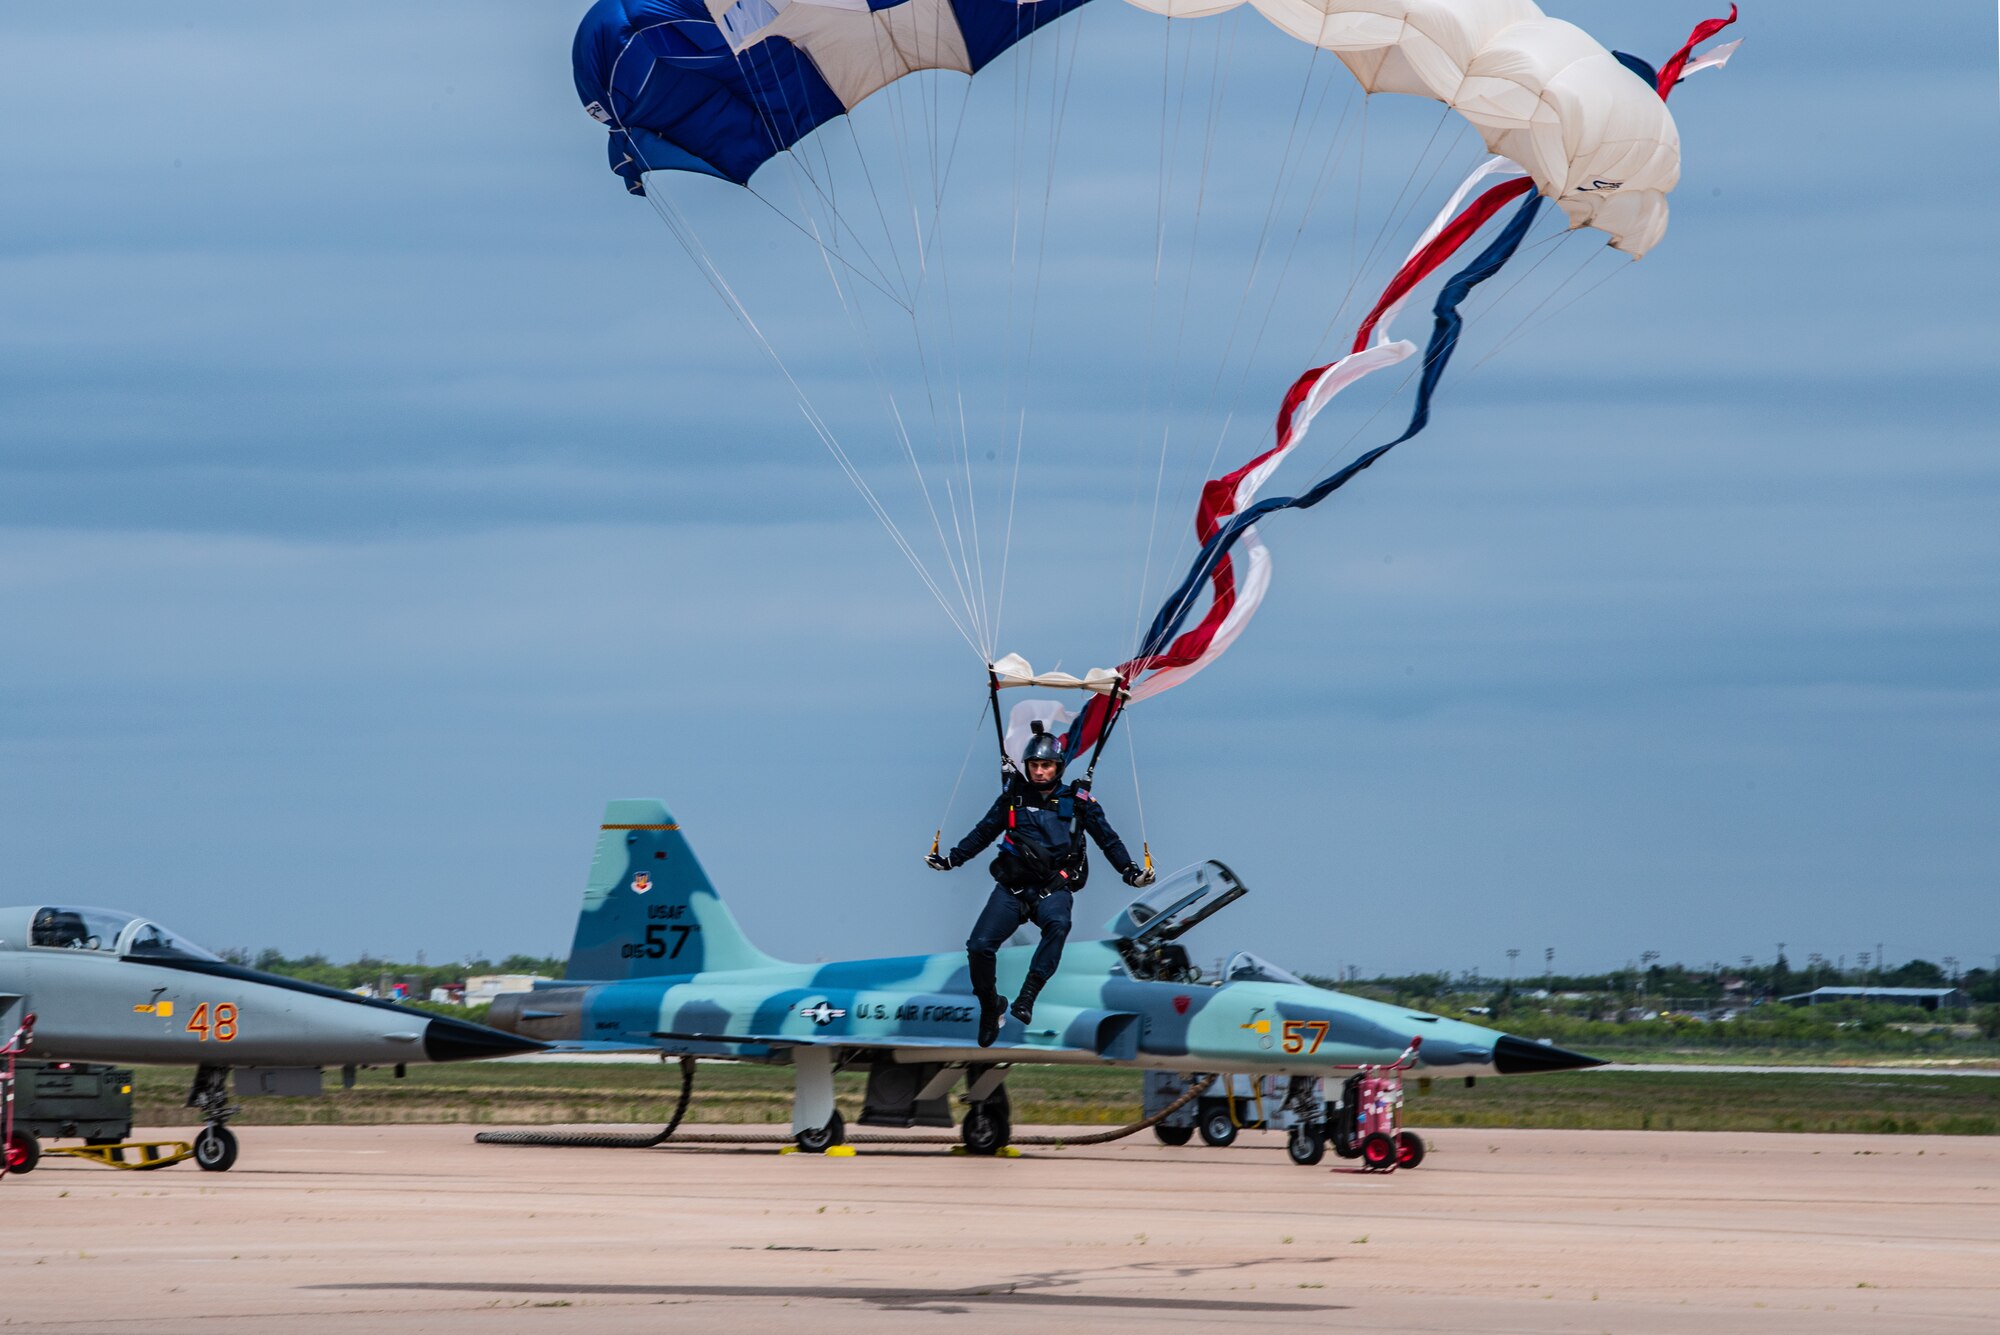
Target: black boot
[(1023, 1008), (992, 1006)]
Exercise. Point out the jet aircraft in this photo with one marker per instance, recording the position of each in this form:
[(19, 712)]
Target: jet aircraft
[(106, 986), (659, 964)]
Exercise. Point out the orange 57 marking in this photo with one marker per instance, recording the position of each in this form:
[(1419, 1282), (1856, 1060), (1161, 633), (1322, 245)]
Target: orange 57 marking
[(217, 1022), (1297, 1031)]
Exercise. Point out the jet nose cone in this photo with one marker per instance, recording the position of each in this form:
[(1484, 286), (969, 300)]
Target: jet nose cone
[(449, 1040), (1519, 1056)]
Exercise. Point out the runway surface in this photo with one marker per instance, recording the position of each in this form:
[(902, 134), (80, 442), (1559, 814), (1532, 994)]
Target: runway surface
[(416, 1228)]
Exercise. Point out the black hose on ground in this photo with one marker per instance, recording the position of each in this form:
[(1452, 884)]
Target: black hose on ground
[(613, 1140), (603, 1140)]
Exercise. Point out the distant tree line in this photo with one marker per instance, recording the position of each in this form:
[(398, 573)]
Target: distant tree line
[(1709, 1006), (369, 971), (1715, 983)]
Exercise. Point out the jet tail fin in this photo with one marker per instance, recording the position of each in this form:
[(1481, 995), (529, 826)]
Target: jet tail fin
[(648, 909)]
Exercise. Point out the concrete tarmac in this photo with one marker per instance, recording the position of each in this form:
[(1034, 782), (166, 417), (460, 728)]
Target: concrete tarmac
[(418, 1229)]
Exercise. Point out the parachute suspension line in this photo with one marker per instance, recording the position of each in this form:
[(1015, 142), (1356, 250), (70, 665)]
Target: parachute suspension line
[(1007, 542), (1278, 192), (1153, 300), (1375, 247), (1329, 169), (1022, 86), (881, 213), (1549, 246), (1138, 797), (691, 242), (971, 558), (1169, 164), (830, 253), (1281, 187), (1062, 79), (1336, 150), (1523, 328), (795, 158), (1354, 224), (1337, 146), (971, 740), (1218, 89), (857, 318)]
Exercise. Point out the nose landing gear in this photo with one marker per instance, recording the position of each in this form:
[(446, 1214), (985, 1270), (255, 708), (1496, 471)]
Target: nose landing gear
[(215, 1147)]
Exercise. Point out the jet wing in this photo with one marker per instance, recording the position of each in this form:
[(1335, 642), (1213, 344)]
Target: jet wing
[(815, 1041), (576, 1046)]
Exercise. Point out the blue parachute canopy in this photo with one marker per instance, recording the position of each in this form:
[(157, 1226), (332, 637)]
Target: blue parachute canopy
[(683, 90)]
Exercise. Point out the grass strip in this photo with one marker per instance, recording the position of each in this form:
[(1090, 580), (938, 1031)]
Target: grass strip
[(503, 1093)]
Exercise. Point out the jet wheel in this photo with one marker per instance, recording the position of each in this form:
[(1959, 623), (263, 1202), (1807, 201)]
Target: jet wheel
[(1409, 1149), (823, 1138), (1378, 1152), (1305, 1145), (1173, 1135), (988, 1127), (23, 1152), (215, 1148), (1218, 1129)]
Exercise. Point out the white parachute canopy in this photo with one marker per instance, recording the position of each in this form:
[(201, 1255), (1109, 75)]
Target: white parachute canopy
[(1543, 92)]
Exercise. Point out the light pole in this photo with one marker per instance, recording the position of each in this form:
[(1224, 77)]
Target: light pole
[(1549, 969)]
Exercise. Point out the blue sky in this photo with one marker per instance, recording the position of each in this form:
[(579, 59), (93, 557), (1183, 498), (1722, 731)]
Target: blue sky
[(381, 490)]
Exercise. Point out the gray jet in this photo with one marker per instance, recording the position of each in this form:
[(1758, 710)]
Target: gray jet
[(106, 986)]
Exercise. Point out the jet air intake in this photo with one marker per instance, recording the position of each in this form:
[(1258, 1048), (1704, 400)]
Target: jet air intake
[(551, 1015)]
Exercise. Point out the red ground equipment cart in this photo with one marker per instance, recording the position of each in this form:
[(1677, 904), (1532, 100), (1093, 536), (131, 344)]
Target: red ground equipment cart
[(1366, 1123)]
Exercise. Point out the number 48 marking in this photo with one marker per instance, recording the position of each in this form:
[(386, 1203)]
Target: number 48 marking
[(221, 1025)]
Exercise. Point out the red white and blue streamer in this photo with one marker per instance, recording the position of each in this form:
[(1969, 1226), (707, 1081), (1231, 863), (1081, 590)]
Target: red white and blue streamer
[(1229, 509)]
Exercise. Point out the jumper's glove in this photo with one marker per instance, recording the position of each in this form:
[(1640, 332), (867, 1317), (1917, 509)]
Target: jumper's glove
[(1138, 877), (937, 862)]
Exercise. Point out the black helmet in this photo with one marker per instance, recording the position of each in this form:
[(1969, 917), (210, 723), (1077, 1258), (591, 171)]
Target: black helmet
[(1042, 746)]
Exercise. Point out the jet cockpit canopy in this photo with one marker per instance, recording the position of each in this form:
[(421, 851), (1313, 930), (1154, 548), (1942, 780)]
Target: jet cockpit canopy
[(65, 927), (1147, 930), (1244, 967)]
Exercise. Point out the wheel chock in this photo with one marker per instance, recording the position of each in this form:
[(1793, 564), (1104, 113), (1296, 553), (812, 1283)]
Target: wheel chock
[(840, 1151)]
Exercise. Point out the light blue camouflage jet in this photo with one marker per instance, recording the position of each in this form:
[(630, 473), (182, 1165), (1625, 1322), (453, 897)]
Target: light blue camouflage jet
[(659, 964)]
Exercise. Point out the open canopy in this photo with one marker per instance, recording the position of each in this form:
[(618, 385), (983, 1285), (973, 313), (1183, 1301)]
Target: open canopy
[(1177, 902)]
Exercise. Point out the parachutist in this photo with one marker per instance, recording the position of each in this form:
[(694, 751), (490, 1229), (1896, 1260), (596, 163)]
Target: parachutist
[(1040, 822)]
